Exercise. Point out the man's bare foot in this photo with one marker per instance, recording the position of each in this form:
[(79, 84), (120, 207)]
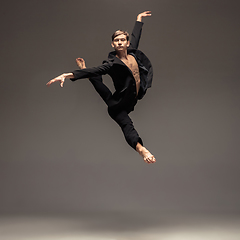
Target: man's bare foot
[(147, 156), (81, 63)]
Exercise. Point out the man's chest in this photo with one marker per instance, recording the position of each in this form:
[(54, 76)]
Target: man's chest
[(131, 63)]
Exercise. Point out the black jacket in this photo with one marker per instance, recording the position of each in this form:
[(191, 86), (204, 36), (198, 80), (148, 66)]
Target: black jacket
[(121, 75)]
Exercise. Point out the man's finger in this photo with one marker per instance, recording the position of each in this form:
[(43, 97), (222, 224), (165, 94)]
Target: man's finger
[(49, 83), (148, 13)]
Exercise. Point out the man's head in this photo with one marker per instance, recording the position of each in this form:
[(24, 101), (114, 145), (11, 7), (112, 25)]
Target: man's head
[(120, 32), (120, 40)]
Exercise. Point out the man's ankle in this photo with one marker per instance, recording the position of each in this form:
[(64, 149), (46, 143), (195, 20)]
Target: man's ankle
[(139, 148)]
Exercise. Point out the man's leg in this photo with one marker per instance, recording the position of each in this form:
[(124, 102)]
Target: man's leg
[(131, 135), (97, 83), (101, 88), (126, 124)]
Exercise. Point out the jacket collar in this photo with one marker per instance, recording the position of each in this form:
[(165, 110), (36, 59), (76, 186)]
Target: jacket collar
[(113, 58)]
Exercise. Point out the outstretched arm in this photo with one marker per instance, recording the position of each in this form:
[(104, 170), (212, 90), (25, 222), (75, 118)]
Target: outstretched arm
[(137, 30), (82, 73)]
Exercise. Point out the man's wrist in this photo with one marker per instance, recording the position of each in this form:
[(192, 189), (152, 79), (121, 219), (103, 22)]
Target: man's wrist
[(67, 75), (139, 18)]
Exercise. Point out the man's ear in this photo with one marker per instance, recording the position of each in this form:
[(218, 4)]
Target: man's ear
[(128, 43), (112, 45)]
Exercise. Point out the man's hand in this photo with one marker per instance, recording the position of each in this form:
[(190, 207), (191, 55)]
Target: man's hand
[(60, 79), (143, 14)]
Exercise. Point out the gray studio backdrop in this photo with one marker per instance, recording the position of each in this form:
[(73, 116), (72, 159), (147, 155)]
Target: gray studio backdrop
[(61, 152)]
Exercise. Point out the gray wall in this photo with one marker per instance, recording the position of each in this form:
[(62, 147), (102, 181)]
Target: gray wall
[(61, 152)]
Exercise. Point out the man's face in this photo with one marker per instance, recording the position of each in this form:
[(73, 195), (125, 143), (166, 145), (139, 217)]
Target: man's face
[(120, 43)]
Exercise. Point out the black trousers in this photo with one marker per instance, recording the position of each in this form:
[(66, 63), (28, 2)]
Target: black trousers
[(120, 116)]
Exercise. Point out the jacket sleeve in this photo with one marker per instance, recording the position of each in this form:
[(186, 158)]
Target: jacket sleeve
[(92, 72), (136, 34)]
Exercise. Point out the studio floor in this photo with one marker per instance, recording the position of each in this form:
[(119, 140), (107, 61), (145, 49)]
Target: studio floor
[(119, 226)]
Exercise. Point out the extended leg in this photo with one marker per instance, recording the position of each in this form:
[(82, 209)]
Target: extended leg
[(101, 88), (97, 83), (131, 135), (126, 124)]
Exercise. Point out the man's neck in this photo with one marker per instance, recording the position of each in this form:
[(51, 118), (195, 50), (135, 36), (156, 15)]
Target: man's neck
[(122, 54)]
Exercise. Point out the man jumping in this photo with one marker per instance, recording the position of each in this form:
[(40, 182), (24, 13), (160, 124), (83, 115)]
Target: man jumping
[(131, 72)]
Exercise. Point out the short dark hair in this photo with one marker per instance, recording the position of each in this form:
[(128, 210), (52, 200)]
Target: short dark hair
[(120, 32)]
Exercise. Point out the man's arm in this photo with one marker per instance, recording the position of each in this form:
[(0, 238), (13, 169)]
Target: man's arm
[(137, 30), (92, 72), (83, 73)]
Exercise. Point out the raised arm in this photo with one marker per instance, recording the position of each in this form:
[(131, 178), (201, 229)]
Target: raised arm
[(137, 30)]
